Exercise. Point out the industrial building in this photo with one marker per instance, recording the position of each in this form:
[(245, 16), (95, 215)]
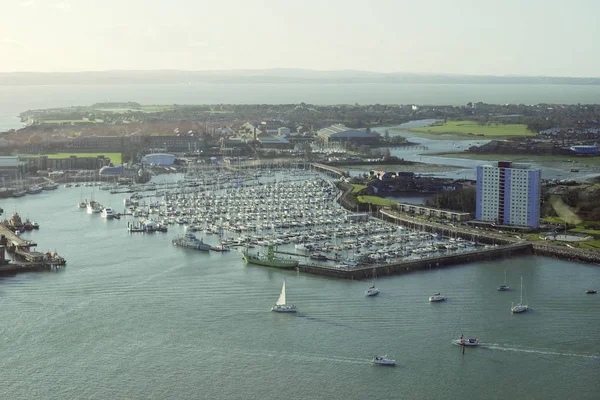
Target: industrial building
[(585, 149), (156, 159), (341, 133), (508, 194)]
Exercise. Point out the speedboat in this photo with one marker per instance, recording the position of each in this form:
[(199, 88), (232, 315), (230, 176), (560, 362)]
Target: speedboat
[(372, 291), (590, 291), (503, 288), (437, 297), (472, 342), (383, 360)]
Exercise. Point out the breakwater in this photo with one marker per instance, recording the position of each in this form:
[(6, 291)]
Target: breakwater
[(564, 253), (423, 264)]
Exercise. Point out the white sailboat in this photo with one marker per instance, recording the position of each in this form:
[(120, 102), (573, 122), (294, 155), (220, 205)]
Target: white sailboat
[(505, 287), (519, 308), (372, 291), (280, 305)]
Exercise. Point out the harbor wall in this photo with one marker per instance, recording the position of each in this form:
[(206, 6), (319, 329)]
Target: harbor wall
[(565, 253), (424, 264)]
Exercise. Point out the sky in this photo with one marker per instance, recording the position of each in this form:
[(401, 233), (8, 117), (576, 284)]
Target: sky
[(475, 37)]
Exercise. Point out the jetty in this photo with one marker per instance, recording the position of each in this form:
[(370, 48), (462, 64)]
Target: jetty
[(369, 271), (24, 258)]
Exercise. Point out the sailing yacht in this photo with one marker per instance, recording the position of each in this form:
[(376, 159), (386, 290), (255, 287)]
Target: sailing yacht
[(280, 305), (372, 291), (505, 287), (519, 308)]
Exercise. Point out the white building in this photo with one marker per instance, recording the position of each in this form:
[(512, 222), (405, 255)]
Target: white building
[(508, 194), (283, 131), (158, 159)]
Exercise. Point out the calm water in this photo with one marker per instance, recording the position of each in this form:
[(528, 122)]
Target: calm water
[(134, 317), (15, 99)]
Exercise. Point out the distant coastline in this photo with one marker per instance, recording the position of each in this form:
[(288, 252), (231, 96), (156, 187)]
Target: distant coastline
[(274, 76)]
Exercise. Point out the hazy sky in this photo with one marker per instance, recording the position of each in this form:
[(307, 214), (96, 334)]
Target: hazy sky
[(524, 37)]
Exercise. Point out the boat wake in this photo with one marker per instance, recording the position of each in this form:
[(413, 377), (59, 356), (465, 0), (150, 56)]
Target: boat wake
[(495, 346), (301, 357)]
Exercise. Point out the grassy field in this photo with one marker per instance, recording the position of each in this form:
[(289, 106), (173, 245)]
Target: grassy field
[(157, 108), (115, 158), (375, 200), (67, 121), (357, 188), (575, 161), (471, 128)]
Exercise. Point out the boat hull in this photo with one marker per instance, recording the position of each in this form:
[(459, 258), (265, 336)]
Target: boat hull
[(372, 292), (519, 309), (435, 299), (466, 343), (269, 263), (284, 309), (386, 362)]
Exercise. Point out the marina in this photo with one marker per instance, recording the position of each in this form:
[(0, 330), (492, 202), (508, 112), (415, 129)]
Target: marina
[(181, 308)]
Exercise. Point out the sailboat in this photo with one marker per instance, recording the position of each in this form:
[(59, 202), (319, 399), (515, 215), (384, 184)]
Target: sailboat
[(280, 305), (372, 291), (519, 308), (504, 288)]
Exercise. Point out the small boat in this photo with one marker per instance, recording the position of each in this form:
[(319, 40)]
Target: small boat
[(505, 287), (280, 305), (470, 342), (35, 225), (519, 308), (437, 297), (35, 189), (107, 213), (590, 291), (372, 291), (383, 360)]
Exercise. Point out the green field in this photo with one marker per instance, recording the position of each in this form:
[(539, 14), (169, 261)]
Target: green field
[(67, 121), (375, 200), (157, 108), (576, 162), (472, 128), (115, 158), (357, 188)]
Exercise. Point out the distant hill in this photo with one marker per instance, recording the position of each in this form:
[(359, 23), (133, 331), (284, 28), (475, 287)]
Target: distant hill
[(271, 76)]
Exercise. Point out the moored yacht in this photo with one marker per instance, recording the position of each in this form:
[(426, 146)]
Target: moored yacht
[(35, 189), (107, 213), (190, 241)]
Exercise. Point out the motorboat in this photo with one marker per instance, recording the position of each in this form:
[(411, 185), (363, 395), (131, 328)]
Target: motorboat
[(107, 213), (35, 189), (590, 291), (372, 291), (280, 305), (190, 241), (470, 342), (383, 360), (437, 297)]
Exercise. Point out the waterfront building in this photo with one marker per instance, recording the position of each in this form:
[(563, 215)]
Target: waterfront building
[(341, 133), (508, 194), (162, 159)]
